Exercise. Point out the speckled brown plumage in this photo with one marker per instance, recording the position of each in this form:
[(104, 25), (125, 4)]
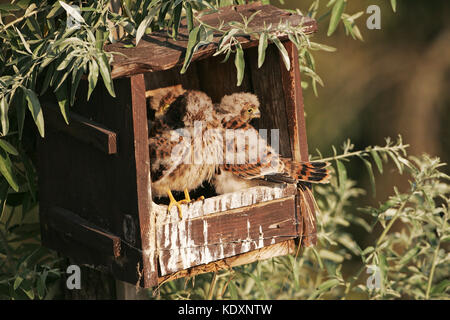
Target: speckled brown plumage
[(250, 163), (185, 153)]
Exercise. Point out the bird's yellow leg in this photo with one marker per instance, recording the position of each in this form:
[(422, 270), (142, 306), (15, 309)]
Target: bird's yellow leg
[(187, 198), (173, 202)]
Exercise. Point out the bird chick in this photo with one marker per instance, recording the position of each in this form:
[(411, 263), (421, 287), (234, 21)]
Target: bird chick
[(243, 104), (236, 111), (182, 158)]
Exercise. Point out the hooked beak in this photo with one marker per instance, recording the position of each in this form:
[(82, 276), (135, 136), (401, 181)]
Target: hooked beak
[(256, 114)]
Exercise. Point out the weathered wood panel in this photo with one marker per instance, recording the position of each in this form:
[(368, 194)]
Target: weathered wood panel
[(82, 129), (86, 233), (291, 82), (219, 79), (268, 87), (171, 77), (158, 51), (255, 218), (98, 187), (143, 179), (270, 251)]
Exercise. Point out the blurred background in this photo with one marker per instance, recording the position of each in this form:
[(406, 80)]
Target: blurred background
[(396, 81)]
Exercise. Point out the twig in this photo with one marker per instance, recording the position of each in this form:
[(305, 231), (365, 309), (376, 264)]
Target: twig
[(433, 267)]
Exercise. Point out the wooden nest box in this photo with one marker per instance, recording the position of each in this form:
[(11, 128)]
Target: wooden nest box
[(94, 174)]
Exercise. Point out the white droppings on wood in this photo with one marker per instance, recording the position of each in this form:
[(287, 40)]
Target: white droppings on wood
[(183, 243), (206, 256), (175, 244), (222, 253), (166, 236), (261, 238), (172, 263), (246, 242), (221, 203), (192, 252)]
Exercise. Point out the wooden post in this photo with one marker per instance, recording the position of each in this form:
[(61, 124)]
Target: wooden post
[(297, 127), (147, 218)]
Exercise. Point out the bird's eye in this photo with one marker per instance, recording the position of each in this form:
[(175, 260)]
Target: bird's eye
[(250, 110)]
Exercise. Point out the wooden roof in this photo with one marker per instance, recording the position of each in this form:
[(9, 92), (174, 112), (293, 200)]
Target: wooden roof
[(158, 51)]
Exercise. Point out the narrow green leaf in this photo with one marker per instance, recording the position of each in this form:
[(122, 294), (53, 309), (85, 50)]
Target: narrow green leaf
[(189, 16), (8, 147), (92, 77), (6, 169), (342, 174), (62, 95), (318, 258), (324, 287), (393, 156), (24, 42), (326, 254), (371, 176), (176, 20), (17, 282), (284, 53), (239, 62), (336, 14), (20, 106), (145, 23), (35, 108), (4, 188), (4, 119), (105, 71), (40, 288), (72, 12), (320, 46), (29, 293), (262, 46), (394, 5), (76, 77), (377, 160), (67, 60), (192, 42), (56, 10), (368, 250), (48, 77)]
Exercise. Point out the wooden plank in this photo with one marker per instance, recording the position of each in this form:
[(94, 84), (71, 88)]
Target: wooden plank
[(219, 79), (271, 251), (292, 90), (97, 187), (269, 89), (192, 242), (89, 235), (158, 51), (143, 180), (82, 129), (222, 203)]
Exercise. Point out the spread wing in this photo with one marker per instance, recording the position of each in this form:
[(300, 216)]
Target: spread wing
[(247, 153), (249, 156)]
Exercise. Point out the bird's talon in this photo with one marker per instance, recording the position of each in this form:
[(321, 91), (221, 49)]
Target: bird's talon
[(173, 202)]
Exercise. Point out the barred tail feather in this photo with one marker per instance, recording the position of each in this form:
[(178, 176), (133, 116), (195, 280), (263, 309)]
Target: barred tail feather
[(314, 172)]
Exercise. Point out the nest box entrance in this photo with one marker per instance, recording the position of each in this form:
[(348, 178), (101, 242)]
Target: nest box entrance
[(96, 204)]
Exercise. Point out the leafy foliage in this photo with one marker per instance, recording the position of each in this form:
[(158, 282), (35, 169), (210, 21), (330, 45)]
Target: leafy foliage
[(27, 270), (410, 247)]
